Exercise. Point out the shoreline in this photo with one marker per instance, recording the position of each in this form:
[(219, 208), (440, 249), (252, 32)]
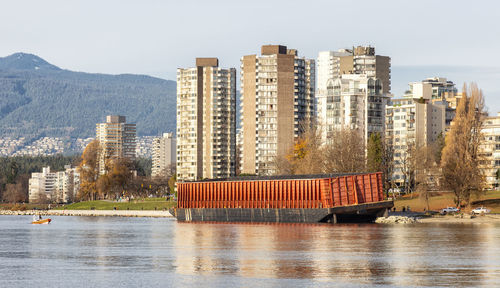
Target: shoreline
[(417, 217), (420, 218), (96, 213), (465, 219)]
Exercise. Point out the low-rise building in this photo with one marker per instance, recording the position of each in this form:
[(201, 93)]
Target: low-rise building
[(60, 187), (490, 150), (411, 122)]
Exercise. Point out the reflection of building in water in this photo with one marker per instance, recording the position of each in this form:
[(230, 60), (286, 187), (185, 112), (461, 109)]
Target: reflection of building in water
[(367, 255), (256, 253), (201, 248), (489, 241), (293, 250)]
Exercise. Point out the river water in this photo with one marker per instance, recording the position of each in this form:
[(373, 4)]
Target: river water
[(141, 252)]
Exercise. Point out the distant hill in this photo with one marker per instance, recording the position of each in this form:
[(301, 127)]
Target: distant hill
[(40, 99)]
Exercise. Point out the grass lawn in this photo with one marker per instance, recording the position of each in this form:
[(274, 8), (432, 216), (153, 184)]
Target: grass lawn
[(491, 200), (140, 204)]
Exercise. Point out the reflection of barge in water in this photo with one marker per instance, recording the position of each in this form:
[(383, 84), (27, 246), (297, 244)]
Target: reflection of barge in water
[(298, 198)]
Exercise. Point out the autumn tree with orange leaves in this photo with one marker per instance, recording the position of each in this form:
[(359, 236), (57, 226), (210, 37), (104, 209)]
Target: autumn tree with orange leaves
[(89, 172)]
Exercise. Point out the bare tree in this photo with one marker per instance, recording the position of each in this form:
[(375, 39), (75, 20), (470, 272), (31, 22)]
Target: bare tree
[(17, 192), (408, 166), (13, 193), (427, 172), (460, 157), (345, 153)]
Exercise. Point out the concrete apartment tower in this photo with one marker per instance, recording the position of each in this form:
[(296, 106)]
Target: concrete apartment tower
[(354, 101), (360, 60), (164, 155), (277, 95), (411, 122), (116, 138), (206, 121)]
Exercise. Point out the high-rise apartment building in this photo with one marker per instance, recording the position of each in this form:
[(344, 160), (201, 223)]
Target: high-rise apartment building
[(277, 95), (164, 155), (360, 60), (116, 139), (354, 101), (206, 121), (411, 122)]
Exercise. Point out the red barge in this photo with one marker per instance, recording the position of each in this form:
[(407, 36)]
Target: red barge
[(299, 199)]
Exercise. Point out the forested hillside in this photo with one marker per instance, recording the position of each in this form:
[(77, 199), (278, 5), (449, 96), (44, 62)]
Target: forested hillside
[(39, 99)]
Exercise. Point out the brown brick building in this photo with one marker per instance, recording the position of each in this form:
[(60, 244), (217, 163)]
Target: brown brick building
[(277, 95)]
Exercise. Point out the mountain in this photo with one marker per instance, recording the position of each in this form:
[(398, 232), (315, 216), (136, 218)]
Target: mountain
[(40, 99), (24, 61)]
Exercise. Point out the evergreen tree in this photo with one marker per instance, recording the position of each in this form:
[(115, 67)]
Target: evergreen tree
[(374, 155)]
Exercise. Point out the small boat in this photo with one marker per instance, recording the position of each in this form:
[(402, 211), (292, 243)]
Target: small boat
[(42, 221)]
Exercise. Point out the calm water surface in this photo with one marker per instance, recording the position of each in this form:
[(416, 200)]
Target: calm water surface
[(140, 252)]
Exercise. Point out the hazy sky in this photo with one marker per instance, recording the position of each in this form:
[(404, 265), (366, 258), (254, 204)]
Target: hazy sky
[(155, 37)]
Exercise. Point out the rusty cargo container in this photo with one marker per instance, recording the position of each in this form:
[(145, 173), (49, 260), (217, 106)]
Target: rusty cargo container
[(304, 198)]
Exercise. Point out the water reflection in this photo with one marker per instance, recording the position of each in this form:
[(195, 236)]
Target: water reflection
[(421, 255), (154, 252)]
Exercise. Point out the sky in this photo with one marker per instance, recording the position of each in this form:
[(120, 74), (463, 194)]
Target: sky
[(458, 39)]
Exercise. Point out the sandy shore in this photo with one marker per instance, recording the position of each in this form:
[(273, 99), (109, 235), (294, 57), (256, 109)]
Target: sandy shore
[(489, 218), (119, 213)]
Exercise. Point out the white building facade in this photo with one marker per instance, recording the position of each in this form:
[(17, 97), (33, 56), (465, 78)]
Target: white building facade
[(59, 187), (345, 64), (490, 150), (353, 101)]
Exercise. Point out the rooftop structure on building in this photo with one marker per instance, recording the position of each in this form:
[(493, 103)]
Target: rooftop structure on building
[(358, 60), (441, 87)]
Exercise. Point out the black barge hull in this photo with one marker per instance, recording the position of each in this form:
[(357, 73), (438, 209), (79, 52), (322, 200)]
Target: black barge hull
[(353, 213)]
